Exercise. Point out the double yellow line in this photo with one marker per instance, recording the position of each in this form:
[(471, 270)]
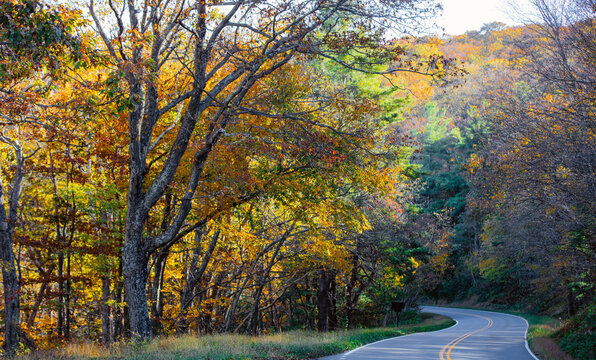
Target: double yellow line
[(445, 353)]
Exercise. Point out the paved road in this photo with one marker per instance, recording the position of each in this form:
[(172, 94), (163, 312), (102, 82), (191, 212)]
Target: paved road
[(478, 335)]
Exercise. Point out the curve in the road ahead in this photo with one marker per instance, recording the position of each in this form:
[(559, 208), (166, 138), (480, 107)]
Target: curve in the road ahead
[(477, 335), (445, 353)]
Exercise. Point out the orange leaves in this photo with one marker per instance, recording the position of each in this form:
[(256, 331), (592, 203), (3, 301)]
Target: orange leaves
[(474, 163)]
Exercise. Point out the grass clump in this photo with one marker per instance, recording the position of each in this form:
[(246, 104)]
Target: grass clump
[(291, 345)]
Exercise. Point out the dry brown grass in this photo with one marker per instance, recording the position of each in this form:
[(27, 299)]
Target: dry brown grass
[(281, 346), (547, 349)]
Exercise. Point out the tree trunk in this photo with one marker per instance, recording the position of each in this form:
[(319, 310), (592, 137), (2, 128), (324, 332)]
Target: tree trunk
[(134, 271), (11, 292), (38, 300), (9, 270), (351, 292), (195, 273), (254, 316), (60, 327), (118, 313), (105, 310), (386, 317), (156, 290), (333, 323), (201, 296), (231, 314), (160, 267), (212, 307), (571, 305), (67, 297), (323, 302)]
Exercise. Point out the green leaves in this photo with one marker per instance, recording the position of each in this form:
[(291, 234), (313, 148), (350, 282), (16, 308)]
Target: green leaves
[(33, 37)]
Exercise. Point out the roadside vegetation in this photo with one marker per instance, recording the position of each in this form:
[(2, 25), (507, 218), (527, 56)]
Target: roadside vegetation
[(561, 339), (297, 344), (540, 337)]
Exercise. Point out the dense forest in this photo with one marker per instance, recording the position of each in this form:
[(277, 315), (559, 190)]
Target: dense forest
[(171, 167)]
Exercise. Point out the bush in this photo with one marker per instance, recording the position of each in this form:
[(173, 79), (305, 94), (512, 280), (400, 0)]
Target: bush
[(410, 316), (580, 346), (578, 337)]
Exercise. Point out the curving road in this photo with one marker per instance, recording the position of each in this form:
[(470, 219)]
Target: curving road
[(478, 335)]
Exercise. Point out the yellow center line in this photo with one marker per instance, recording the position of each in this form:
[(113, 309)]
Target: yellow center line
[(445, 353)]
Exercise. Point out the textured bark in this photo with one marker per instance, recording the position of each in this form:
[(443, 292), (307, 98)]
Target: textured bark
[(106, 327), (11, 293), (134, 271), (10, 280)]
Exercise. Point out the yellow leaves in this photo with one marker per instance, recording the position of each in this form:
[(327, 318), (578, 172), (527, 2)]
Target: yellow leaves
[(439, 262), (391, 279), (563, 172), (474, 163), (364, 224)]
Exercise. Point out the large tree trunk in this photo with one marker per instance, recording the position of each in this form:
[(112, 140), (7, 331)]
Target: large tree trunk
[(11, 291), (159, 270), (386, 316), (9, 267), (134, 271)]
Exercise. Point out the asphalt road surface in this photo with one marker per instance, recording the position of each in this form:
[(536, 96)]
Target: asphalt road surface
[(478, 335)]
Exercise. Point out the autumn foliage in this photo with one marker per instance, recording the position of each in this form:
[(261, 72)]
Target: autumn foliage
[(170, 167)]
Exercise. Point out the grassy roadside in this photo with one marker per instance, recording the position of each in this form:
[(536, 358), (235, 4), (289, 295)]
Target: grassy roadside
[(540, 331), (284, 346)]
